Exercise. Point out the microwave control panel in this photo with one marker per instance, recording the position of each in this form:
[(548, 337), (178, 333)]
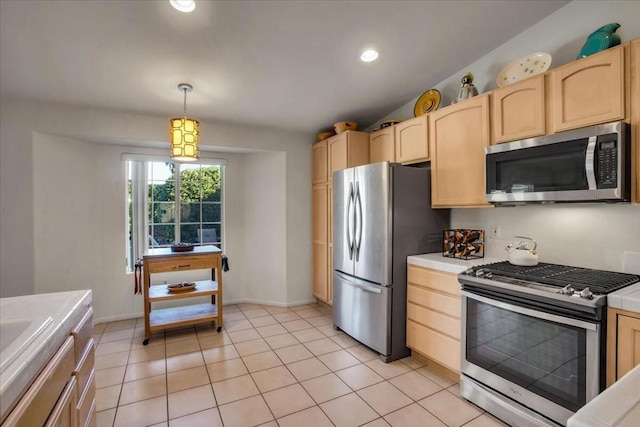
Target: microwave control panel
[(607, 161)]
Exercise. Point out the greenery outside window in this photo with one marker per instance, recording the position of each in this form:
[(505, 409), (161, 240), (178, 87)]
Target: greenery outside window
[(173, 202)]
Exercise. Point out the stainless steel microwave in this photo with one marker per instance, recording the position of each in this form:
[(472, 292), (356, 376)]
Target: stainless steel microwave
[(591, 164)]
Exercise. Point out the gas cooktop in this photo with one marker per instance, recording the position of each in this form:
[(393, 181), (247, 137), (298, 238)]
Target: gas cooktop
[(599, 282), (584, 286)]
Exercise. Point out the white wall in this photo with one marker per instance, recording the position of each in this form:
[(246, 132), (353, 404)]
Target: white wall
[(46, 150), (561, 34), (264, 220), (587, 235)]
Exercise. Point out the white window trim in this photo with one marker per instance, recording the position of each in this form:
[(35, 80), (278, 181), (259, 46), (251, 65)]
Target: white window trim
[(203, 160)]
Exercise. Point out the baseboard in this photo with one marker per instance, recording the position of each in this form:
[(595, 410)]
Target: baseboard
[(435, 366), (226, 302)]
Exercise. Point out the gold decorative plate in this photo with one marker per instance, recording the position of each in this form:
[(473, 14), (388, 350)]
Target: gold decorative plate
[(427, 102)]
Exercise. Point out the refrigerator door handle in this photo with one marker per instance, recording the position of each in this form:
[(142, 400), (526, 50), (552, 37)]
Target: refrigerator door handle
[(348, 222), (358, 205), (360, 284)]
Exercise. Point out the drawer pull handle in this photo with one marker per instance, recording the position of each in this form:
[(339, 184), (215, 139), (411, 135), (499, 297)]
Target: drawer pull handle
[(184, 266)]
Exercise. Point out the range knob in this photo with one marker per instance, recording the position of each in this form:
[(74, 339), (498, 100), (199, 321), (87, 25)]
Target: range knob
[(489, 275), (567, 290), (469, 272), (480, 273), (586, 293)]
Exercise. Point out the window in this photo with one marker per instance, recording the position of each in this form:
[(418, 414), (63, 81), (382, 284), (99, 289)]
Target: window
[(173, 202)]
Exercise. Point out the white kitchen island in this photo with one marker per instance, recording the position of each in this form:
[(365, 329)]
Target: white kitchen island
[(33, 330)]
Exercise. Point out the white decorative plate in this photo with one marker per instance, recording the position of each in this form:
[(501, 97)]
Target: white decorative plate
[(527, 66)]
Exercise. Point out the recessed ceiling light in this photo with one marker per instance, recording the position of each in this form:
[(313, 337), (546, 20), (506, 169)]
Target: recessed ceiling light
[(369, 55), (183, 5)]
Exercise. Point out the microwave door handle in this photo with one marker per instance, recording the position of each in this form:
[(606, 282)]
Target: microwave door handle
[(589, 163)]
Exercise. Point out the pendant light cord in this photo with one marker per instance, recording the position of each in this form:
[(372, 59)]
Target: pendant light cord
[(185, 102)]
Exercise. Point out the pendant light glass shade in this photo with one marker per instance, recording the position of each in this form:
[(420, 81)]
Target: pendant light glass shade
[(184, 133)]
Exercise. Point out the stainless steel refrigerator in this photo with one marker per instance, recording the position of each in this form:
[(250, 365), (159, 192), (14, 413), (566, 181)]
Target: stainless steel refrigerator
[(382, 214)]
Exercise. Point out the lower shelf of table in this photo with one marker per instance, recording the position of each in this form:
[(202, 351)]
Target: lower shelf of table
[(183, 316)]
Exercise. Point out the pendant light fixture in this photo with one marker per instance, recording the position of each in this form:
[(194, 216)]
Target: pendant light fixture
[(184, 133)]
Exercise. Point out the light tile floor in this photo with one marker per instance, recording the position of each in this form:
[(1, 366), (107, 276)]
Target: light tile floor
[(270, 366)]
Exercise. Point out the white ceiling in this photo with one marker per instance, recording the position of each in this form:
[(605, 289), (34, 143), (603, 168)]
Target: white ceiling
[(285, 64)]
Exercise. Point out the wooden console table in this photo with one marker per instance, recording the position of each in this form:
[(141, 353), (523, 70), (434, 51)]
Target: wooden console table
[(163, 260)]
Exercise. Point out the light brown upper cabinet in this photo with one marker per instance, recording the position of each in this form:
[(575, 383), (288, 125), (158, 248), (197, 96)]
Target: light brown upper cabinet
[(518, 110), (382, 145), (458, 135), (412, 142), (588, 91), (319, 162), (635, 116), (346, 150)]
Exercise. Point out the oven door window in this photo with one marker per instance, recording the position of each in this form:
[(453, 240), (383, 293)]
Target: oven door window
[(545, 357), (553, 167)]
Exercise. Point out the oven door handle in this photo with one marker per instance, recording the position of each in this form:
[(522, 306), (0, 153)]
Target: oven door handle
[(533, 313)]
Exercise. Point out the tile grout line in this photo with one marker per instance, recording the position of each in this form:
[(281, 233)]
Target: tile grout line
[(273, 350)]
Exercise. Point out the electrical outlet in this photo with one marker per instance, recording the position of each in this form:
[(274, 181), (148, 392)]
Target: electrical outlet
[(495, 231)]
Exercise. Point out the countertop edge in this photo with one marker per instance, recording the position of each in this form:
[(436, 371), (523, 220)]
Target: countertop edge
[(436, 261)]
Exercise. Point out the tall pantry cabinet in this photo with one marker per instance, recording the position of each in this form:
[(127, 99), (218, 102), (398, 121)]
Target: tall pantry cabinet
[(345, 150)]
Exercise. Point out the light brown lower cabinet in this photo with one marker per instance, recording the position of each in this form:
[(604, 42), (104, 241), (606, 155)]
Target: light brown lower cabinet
[(63, 394), (433, 316), (623, 343)]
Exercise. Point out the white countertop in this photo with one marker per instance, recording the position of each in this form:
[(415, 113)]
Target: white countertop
[(618, 406), (626, 298), (450, 265), (64, 309)]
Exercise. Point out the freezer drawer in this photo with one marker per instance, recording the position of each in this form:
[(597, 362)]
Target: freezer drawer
[(363, 310)]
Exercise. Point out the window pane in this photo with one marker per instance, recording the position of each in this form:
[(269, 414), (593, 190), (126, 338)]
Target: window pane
[(162, 212), (208, 235), (190, 212), (162, 191), (161, 235), (211, 212), (211, 233), (189, 233), (212, 193)]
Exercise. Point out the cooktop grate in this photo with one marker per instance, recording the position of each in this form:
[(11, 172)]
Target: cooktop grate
[(598, 281)]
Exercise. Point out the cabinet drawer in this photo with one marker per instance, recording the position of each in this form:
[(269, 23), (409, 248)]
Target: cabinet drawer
[(84, 368), (162, 265), (437, 321), (92, 421), (434, 280), (87, 402), (82, 333), (64, 413), (36, 404), (436, 346), (442, 303)]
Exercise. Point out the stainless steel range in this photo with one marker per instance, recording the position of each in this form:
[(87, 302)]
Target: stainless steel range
[(533, 339)]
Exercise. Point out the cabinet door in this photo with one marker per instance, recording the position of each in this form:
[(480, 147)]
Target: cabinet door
[(411, 140), (320, 233), (635, 116), (330, 255), (518, 110), (628, 344), (382, 145), (458, 136), (319, 162), (588, 91), (338, 159)]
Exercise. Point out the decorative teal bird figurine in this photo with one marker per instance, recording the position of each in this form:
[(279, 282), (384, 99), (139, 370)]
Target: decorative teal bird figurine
[(601, 39)]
